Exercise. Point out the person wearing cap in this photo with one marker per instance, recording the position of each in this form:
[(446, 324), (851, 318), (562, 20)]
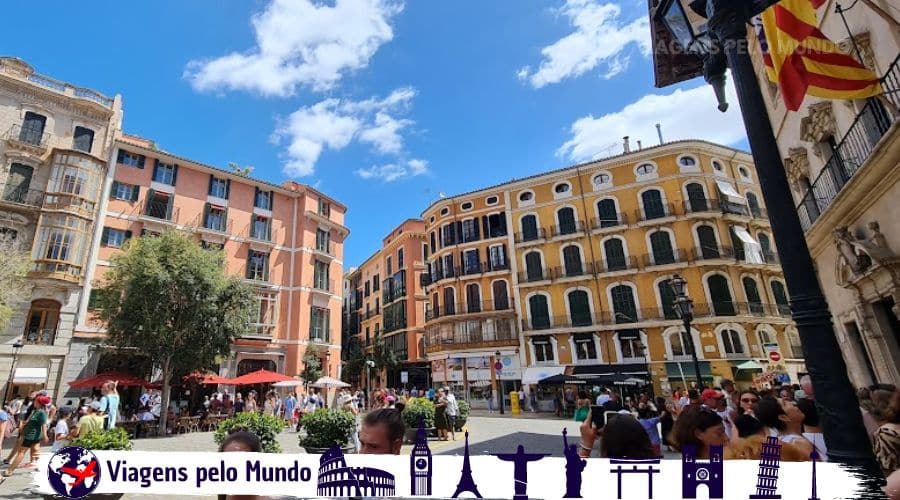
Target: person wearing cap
[(717, 402), (92, 422), (34, 432), (61, 430)]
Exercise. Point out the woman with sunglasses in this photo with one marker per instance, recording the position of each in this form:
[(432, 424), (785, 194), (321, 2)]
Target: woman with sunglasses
[(746, 400)]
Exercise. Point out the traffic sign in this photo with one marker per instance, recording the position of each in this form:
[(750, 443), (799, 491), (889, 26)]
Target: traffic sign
[(498, 366), (775, 356)]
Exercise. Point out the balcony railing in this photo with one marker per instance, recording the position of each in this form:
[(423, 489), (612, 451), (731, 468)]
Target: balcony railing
[(477, 307), (20, 196), (37, 336), (212, 225), (540, 275), (319, 335), (712, 252), (655, 212), (575, 227), (28, 136), (323, 285), (159, 209), (711, 205), (623, 264), (471, 337), (573, 271), (537, 235), (480, 267), (663, 258), (851, 153), (621, 219)]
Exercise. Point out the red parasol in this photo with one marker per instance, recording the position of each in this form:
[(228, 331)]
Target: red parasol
[(124, 379), (213, 379), (259, 377)]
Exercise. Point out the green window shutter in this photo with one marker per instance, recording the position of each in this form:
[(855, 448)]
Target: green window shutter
[(249, 264), (212, 179), (174, 174), (225, 219), (266, 267), (271, 200), (120, 156), (227, 188), (135, 192), (104, 238), (205, 215), (150, 194), (141, 159), (169, 206)]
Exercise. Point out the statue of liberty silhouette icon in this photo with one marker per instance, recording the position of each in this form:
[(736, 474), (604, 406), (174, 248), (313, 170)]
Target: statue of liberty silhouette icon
[(574, 467)]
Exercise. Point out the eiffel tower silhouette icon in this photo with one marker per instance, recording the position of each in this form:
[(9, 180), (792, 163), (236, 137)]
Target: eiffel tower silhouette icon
[(466, 483)]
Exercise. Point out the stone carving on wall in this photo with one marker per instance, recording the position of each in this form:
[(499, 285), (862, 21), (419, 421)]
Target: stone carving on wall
[(797, 166), (858, 256), (818, 125)]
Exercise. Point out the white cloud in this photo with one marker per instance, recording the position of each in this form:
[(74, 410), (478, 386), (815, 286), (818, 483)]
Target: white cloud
[(394, 171), (600, 39), (301, 42), (683, 114), (335, 123)]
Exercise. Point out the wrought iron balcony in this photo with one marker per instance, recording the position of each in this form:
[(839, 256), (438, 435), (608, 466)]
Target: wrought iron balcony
[(651, 212), (475, 307), (620, 221), (574, 228), (526, 236), (28, 138), (37, 336)]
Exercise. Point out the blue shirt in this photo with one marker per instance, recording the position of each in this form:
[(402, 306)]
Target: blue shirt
[(4, 417), (649, 425)]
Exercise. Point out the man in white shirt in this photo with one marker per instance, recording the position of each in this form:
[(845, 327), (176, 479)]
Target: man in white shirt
[(452, 411)]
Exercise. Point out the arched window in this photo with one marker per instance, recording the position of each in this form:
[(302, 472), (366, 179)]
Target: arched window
[(529, 228), (737, 244), (722, 303), (562, 188), (623, 305), (696, 197), (473, 298), (526, 196), (753, 204), (796, 345), (539, 312), (731, 341), (565, 218), (765, 337), (606, 213), (661, 246), (579, 308), (653, 204), (766, 246), (687, 161), (680, 343), (449, 301), (501, 298), (709, 246), (533, 269), (615, 255), (18, 183), (572, 261), (43, 320), (752, 292), (781, 298), (667, 300), (645, 169)]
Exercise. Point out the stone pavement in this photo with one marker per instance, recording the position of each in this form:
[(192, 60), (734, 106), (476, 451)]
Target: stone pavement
[(488, 433)]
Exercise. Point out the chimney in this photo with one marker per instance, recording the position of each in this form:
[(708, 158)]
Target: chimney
[(640, 147), (626, 145), (659, 133)]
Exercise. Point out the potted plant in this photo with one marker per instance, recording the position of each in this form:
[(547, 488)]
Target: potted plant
[(326, 428), (265, 427), (463, 414), (416, 409)]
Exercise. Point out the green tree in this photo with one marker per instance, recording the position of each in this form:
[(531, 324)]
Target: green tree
[(14, 264), (239, 170), (172, 301), (354, 361), (312, 365), (383, 357)]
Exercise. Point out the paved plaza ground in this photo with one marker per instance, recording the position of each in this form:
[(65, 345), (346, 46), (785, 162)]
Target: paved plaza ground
[(540, 433)]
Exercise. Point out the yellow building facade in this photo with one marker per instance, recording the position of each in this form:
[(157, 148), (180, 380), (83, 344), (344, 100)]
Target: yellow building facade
[(567, 271)]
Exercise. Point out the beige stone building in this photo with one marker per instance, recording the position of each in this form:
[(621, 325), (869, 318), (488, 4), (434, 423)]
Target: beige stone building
[(54, 150), (842, 160)]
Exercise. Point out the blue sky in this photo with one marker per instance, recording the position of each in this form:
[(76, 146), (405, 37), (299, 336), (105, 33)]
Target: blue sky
[(382, 104)]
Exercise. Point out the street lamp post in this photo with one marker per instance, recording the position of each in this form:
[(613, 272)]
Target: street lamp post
[(499, 382), (726, 24), (16, 347), (369, 365), (684, 308)]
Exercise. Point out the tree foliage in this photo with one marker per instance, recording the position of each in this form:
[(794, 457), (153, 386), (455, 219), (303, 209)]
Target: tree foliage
[(312, 365), (239, 170), (383, 357), (172, 301), (14, 264), (354, 360)]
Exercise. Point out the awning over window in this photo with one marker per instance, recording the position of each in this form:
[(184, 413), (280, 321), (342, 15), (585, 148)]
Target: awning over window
[(535, 374), (728, 190), (687, 369), (587, 371), (748, 365), (752, 248), (30, 376)]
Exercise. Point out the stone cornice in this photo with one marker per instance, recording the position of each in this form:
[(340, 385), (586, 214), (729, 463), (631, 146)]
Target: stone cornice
[(83, 109)]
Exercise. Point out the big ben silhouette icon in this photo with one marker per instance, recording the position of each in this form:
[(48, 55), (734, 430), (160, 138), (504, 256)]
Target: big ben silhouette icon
[(420, 464)]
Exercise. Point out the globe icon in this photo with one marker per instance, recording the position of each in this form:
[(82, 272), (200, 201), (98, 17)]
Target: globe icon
[(74, 472)]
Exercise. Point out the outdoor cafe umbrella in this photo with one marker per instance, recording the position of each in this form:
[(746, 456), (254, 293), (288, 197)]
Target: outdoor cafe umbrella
[(213, 379), (288, 383), (562, 379), (123, 379), (328, 382), (259, 377)]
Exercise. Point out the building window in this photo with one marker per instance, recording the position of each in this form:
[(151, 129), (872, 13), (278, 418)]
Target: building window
[(661, 246), (796, 345), (165, 173), (687, 161), (448, 235), (766, 246), (218, 188), (539, 311), (572, 261), (667, 300), (262, 228), (533, 269), (623, 305), (562, 188), (744, 172), (529, 228), (709, 246), (753, 205), (264, 313), (737, 244), (263, 199), (731, 342), (318, 325), (211, 246), (717, 166), (159, 205), (18, 183), (131, 159), (324, 208), (320, 276), (579, 308), (257, 266), (367, 293), (491, 200), (696, 197), (765, 337), (601, 179), (501, 298), (497, 257), (473, 298), (449, 301), (83, 139), (585, 347), (565, 217), (323, 241), (470, 230), (215, 218), (445, 211), (433, 242), (752, 293), (125, 192), (496, 226), (781, 298), (543, 349), (466, 206), (471, 262), (654, 208), (614, 251), (680, 344), (630, 344), (526, 196), (645, 169), (448, 266), (32, 130), (114, 237), (720, 294), (376, 283), (400, 258), (606, 213)]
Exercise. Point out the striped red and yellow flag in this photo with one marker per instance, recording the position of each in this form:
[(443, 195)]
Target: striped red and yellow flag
[(802, 60)]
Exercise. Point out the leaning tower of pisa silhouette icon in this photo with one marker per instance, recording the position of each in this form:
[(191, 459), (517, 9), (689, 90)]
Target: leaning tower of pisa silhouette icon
[(767, 478)]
